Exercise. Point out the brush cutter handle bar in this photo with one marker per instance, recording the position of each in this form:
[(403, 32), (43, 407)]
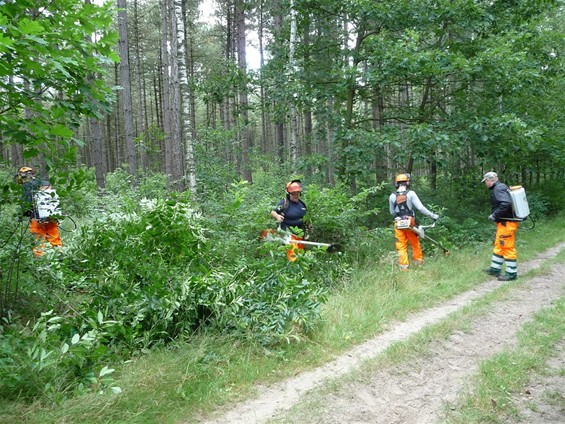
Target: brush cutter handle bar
[(288, 240), (428, 226), (310, 243)]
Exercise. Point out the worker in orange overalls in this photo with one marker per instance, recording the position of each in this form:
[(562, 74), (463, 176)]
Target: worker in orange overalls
[(289, 213), (402, 204), (44, 228), (505, 240)]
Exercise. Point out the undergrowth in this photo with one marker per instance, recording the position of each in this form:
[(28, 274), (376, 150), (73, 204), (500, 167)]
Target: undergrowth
[(147, 269)]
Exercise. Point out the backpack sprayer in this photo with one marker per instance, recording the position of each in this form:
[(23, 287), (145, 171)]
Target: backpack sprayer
[(46, 207), (520, 206)]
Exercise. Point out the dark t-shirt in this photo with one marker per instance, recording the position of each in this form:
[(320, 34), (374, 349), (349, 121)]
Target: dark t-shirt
[(293, 215)]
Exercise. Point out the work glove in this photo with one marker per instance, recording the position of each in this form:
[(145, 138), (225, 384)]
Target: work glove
[(491, 217), (436, 218)]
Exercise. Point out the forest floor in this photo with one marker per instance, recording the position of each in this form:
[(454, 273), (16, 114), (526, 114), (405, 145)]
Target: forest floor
[(422, 389)]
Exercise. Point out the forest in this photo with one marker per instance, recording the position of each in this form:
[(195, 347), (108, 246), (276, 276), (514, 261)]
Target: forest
[(169, 129)]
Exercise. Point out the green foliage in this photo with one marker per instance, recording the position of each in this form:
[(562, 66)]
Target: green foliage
[(145, 255), (268, 300), (547, 200), (336, 215), (50, 358), (51, 53)]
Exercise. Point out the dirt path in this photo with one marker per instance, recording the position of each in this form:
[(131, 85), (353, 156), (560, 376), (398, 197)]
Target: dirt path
[(416, 392)]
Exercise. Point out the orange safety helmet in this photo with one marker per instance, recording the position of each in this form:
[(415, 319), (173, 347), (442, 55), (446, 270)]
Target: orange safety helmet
[(402, 178), (23, 173), (294, 186), (26, 169)]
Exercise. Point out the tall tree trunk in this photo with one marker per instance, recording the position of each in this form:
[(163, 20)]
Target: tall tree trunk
[(186, 97), (243, 100), (350, 100), (330, 142), (97, 151), (176, 141), (117, 148), (292, 72), (126, 87), (189, 30), (140, 83), (165, 89), (308, 126), (264, 124)]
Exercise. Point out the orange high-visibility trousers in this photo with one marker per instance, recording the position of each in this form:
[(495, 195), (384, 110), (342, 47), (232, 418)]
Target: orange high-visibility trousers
[(504, 250), (294, 249), (45, 231), (403, 238)]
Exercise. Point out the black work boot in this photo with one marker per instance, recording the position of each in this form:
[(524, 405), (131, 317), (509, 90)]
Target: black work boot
[(492, 271), (507, 277)]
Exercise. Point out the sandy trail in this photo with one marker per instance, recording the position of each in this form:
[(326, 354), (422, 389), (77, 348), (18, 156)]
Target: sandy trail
[(416, 392)]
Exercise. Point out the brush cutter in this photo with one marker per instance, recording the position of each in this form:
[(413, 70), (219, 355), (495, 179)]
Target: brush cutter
[(420, 230), (288, 239)]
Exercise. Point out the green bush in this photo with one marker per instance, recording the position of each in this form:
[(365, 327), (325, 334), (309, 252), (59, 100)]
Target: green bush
[(268, 299), (46, 359)]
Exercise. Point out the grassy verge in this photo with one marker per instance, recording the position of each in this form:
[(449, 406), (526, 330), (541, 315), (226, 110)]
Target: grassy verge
[(196, 377)]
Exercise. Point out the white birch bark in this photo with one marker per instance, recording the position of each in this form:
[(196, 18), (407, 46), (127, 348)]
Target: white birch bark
[(186, 123), (177, 158)]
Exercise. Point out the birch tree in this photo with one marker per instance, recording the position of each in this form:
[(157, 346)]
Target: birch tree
[(186, 95), (292, 77)]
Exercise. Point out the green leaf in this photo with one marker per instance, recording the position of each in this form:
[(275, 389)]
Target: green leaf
[(105, 371), (27, 26), (75, 339), (60, 131)]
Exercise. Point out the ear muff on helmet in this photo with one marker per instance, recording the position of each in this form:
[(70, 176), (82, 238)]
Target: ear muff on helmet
[(293, 186)]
